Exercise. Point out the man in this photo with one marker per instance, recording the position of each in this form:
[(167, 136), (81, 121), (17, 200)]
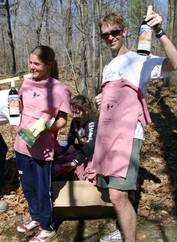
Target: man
[(123, 114)]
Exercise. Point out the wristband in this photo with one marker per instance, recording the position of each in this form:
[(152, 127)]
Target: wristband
[(74, 162), (160, 33)]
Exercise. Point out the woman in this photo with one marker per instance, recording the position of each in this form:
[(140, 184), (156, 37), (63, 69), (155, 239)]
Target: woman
[(42, 97), (78, 152)]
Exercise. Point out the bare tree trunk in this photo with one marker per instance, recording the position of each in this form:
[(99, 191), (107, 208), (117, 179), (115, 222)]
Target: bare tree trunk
[(96, 47), (11, 42), (68, 30), (175, 24), (172, 8), (47, 24), (3, 47), (83, 14), (93, 48), (172, 15), (67, 27), (39, 28), (99, 10)]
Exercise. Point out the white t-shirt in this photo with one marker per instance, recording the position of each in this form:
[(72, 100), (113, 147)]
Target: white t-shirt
[(138, 70)]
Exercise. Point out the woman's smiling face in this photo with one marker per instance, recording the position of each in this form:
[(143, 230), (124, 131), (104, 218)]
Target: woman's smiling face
[(38, 69)]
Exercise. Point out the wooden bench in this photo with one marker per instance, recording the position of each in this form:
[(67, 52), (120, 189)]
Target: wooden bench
[(81, 199)]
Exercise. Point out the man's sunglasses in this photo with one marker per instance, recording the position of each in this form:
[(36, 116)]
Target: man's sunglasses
[(114, 33)]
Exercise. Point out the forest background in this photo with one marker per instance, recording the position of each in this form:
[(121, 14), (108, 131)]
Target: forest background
[(70, 27)]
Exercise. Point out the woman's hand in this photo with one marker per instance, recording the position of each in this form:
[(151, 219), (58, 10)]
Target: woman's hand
[(98, 99)]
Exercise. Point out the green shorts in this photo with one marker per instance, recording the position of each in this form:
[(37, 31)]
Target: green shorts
[(130, 182)]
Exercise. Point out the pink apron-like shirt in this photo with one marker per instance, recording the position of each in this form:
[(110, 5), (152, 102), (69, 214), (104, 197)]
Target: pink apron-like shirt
[(43, 99), (121, 108)]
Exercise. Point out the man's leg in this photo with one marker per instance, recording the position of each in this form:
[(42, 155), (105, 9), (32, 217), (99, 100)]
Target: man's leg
[(118, 191), (125, 213)]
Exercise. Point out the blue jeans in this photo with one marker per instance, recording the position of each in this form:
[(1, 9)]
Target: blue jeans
[(3, 152), (35, 177)]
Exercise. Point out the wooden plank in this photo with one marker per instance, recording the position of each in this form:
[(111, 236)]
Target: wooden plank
[(79, 193), (29, 75), (17, 78), (81, 200), (86, 212)]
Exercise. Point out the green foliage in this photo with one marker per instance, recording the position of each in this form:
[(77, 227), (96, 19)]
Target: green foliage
[(136, 15), (138, 11)]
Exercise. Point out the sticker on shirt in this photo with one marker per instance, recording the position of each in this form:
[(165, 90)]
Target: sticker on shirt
[(109, 108)]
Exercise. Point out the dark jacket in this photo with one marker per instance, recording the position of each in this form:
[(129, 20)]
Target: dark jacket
[(83, 138)]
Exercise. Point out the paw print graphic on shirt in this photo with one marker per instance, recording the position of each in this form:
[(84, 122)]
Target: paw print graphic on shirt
[(109, 106)]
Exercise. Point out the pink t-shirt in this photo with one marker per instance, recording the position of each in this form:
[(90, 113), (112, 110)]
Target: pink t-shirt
[(41, 99)]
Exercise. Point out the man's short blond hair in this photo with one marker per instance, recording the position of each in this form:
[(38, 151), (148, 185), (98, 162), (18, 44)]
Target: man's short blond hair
[(113, 18)]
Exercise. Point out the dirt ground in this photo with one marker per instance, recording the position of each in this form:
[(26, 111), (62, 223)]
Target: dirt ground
[(156, 196)]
